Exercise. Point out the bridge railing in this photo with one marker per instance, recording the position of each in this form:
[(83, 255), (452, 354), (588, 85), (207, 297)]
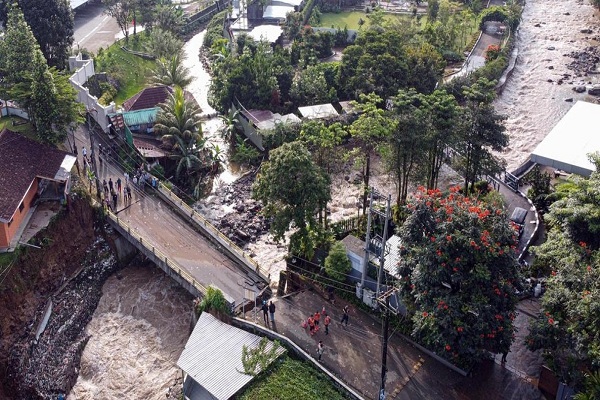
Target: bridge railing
[(172, 264), (213, 231)]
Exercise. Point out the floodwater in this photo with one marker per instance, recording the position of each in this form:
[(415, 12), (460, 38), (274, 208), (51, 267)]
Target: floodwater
[(137, 333), (532, 104), (211, 126)]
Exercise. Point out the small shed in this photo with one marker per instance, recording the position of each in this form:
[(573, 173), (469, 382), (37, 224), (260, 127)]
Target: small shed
[(319, 111), (212, 359)]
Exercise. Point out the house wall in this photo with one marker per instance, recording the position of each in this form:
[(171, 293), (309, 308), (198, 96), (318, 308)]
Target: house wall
[(8, 232), (249, 129)]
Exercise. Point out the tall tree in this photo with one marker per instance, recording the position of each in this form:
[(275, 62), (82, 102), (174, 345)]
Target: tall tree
[(481, 130), (51, 22), (292, 189), (46, 94), (459, 272), (322, 141), (370, 129), (163, 44), (405, 150)]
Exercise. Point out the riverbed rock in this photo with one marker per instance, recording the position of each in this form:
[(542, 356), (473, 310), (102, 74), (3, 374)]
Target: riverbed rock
[(586, 30), (594, 90), (579, 89), (569, 100)]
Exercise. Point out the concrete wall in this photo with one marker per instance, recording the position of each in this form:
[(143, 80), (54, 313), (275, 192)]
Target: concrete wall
[(7, 111), (298, 352), (249, 129), (84, 69)]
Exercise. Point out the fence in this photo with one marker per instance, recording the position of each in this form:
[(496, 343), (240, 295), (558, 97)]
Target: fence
[(196, 287), (12, 110), (213, 233)]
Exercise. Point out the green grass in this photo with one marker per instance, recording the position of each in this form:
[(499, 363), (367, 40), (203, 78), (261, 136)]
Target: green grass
[(350, 19), (131, 71), (26, 129), (292, 380)]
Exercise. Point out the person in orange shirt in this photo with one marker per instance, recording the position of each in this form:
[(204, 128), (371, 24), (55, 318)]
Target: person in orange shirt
[(311, 325), (327, 322), (317, 318)]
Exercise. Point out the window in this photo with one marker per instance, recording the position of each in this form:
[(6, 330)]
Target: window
[(21, 207)]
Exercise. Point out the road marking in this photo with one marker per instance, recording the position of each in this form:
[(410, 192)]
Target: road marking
[(106, 17)]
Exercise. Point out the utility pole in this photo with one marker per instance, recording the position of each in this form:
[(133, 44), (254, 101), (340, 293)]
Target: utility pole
[(92, 152), (384, 301), (387, 217), (365, 265)]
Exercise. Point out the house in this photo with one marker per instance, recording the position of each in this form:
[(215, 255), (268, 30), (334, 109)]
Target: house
[(28, 171), (212, 359), (253, 121)]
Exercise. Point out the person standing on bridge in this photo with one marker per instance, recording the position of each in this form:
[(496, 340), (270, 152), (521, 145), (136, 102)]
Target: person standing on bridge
[(111, 185), (272, 311), (119, 185)]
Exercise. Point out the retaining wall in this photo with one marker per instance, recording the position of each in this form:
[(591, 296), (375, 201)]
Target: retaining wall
[(84, 70), (297, 350)]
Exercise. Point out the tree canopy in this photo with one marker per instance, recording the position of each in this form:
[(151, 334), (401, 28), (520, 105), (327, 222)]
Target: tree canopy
[(459, 272), (292, 189), (568, 327), (51, 22)]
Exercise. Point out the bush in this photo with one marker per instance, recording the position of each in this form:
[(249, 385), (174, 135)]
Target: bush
[(452, 57), (214, 30), (337, 263)]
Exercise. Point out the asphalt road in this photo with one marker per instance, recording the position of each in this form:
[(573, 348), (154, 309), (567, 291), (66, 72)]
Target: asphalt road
[(93, 28)]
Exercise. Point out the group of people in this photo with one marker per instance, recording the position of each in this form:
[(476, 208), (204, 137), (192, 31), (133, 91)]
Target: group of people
[(268, 309), (114, 190)]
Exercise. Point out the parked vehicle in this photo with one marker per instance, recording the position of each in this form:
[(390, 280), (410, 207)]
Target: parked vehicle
[(518, 218)]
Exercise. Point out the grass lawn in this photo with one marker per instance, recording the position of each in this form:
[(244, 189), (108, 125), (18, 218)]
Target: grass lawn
[(291, 380), (26, 129), (132, 71), (351, 18)]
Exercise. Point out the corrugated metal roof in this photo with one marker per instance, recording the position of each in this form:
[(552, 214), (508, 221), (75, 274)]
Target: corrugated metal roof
[(392, 258), (139, 117), (318, 111), (213, 356)]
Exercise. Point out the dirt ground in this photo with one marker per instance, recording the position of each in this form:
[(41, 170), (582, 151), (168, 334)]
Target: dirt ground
[(38, 274)]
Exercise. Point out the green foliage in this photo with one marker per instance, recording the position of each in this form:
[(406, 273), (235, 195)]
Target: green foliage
[(122, 11), (540, 189), (310, 87), (214, 30), (282, 133), (163, 44), (245, 153), (292, 189), (337, 263), (459, 272), (168, 17), (257, 359), (323, 141), (591, 387), (213, 302), (129, 71), (292, 380), (171, 72), (568, 327)]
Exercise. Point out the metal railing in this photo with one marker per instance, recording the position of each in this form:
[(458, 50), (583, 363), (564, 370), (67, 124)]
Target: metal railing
[(212, 230), (172, 264)]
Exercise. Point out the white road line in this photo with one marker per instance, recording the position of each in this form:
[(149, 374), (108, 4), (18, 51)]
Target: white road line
[(106, 17)]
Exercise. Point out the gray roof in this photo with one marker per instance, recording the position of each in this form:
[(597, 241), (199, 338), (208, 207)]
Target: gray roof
[(213, 356), (392, 258), (318, 111)]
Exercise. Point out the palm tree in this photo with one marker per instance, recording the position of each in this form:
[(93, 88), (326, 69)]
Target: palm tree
[(171, 72), (230, 123), (178, 118)]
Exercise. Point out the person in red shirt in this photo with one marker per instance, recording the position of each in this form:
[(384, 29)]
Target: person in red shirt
[(327, 322), (311, 325), (317, 318)]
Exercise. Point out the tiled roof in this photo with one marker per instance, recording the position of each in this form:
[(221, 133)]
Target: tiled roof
[(21, 161), (213, 356), (147, 98)]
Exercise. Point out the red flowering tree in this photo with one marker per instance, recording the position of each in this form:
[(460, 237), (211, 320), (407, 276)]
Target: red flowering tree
[(459, 271)]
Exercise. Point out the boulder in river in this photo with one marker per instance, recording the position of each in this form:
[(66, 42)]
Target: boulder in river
[(594, 90), (579, 89)]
